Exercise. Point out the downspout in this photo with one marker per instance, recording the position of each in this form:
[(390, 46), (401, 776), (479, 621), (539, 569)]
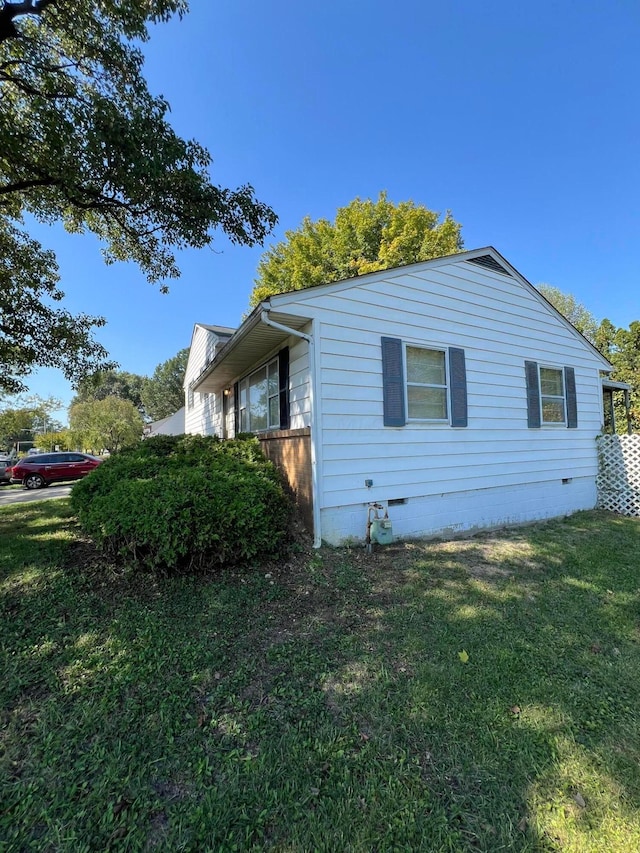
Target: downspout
[(315, 455)]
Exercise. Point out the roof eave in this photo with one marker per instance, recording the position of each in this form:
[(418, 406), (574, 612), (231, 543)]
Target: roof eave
[(235, 358)]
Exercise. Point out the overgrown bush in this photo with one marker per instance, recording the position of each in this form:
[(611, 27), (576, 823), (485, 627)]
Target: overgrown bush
[(178, 503)]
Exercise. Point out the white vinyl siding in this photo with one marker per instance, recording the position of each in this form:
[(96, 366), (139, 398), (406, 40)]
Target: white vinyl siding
[(299, 384), (203, 412), (499, 322)]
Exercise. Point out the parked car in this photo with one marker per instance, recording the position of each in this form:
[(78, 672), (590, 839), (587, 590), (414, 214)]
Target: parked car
[(6, 462), (34, 472)]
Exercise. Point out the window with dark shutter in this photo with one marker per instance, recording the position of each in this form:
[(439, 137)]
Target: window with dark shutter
[(393, 383), (551, 396), (423, 384)]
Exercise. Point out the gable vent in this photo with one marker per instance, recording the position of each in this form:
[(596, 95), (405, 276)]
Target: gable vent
[(489, 263)]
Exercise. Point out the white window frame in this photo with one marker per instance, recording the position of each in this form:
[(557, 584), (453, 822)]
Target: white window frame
[(407, 383), (244, 412), (190, 397), (562, 397)]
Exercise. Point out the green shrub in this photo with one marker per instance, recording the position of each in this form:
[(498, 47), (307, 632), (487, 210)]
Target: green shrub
[(178, 503)]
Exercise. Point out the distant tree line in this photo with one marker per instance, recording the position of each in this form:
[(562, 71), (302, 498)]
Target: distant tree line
[(107, 413), (621, 346)]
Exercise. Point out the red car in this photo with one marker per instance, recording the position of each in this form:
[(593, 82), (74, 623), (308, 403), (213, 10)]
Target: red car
[(39, 470)]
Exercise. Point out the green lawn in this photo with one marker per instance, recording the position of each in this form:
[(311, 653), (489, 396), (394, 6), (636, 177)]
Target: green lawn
[(322, 704)]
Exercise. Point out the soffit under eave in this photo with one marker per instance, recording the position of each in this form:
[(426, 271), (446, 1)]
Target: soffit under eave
[(249, 351)]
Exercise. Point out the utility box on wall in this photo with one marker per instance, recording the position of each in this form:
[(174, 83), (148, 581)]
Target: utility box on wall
[(382, 531)]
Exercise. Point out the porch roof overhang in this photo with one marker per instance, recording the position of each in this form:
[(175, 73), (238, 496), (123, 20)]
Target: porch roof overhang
[(251, 343), (610, 385)]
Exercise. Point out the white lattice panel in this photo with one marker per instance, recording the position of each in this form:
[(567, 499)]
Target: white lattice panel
[(619, 473)]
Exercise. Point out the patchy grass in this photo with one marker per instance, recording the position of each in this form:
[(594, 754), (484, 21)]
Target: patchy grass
[(322, 704)]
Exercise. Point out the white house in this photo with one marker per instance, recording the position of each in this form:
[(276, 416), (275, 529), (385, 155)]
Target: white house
[(450, 391), (171, 425), (203, 409)]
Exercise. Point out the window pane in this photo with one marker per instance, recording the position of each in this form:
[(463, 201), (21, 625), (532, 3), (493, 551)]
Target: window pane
[(243, 393), (552, 410), (427, 403), (243, 425), (425, 366), (273, 378), (258, 399), (258, 420), (258, 379), (274, 412), (551, 382)]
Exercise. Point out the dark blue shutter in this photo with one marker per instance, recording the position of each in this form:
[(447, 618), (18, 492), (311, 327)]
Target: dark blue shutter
[(572, 400), (458, 383), (533, 394), (393, 382), (283, 382), (236, 408)]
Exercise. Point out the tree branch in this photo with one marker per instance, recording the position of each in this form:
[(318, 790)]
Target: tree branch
[(10, 11), (20, 186), (94, 199), (26, 89)]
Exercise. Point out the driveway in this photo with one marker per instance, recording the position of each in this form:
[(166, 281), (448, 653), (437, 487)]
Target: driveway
[(9, 495)]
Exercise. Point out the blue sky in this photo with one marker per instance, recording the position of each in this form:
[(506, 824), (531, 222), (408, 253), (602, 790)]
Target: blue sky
[(522, 119)]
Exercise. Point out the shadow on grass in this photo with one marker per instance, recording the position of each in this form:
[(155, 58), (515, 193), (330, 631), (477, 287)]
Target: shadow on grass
[(323, 704), (544, 710)]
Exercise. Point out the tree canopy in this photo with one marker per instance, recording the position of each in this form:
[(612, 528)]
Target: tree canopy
[(622, 347), (111, 383), (85, 143), (16, 425), (33, 330), (364, 237), (163, 393), (574, 311), (108, 424), (26, 420), (155, 397)]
